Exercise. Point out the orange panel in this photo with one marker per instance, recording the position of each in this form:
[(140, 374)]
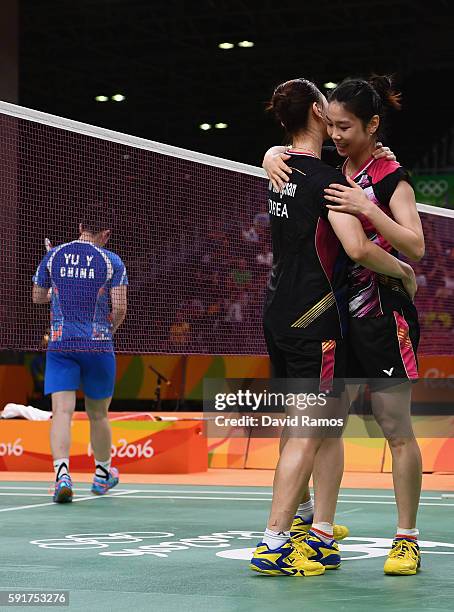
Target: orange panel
[(137, 446), (263, 453), (436, 366), (437, 455), (227, 452), (363, 454)]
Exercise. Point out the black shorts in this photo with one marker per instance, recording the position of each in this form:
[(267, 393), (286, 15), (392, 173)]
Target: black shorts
[(323, 362), (383, 349)]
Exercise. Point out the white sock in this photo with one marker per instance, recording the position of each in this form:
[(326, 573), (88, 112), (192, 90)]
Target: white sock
[(412, 533), (61, 467), (102, 468), (324, 531), (275, 539), (306, 510)]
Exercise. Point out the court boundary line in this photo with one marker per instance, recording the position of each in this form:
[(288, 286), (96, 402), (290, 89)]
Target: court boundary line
[(78, 499), (217, 492), (130, 495)]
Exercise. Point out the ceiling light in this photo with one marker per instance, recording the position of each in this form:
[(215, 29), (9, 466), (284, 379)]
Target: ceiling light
[(118, 98), (330, 85), (101, 98), (205, 126), (226, 45), (220, 126), (246, 44)]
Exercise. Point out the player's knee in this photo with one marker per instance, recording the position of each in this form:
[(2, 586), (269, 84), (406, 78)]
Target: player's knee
[(332, 443), (63, 403), (398, 443), (66, 411), (396, 430), (97, 407), (96, 411), (308, 446), (97, 414)]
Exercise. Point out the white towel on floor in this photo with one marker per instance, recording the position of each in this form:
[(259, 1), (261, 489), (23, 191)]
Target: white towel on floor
[(11, 411)]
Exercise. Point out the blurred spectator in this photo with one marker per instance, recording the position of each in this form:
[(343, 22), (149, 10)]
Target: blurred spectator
[(265, 259), (251, 235), (241, 275), (449, 281), (180, 332), (420, 274), (441, 334), (235, 309), (196, 308)]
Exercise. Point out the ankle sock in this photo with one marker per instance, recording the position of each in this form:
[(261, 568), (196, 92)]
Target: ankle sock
[(324, 531), (306, 511), (61, 467), (410, 534), (275, 539), (102, 469)]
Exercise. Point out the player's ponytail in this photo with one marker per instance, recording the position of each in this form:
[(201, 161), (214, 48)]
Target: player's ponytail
[(384, 87)]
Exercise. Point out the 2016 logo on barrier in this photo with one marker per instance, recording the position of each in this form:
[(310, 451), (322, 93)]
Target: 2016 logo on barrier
[(130, 450)]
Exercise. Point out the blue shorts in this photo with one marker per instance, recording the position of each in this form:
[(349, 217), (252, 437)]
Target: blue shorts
[(70, 371)]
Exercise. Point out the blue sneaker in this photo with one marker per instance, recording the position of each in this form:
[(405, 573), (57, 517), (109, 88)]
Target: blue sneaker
[(63, 492), (101, 485), (326, 554)]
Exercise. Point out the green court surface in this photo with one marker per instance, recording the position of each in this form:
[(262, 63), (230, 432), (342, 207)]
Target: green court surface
[(152, 547)]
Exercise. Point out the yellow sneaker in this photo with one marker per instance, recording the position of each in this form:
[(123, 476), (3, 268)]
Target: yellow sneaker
[(317, 550), (300, 527), (287, 560), (404, 558)]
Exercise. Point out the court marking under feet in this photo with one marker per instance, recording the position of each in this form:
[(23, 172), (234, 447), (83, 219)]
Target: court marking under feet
[(52, 503)]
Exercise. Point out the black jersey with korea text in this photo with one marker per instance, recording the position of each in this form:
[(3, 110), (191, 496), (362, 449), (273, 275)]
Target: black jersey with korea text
[(307, 289)]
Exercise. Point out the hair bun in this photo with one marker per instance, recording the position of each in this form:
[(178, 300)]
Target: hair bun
[(383, 85), (291, 101)]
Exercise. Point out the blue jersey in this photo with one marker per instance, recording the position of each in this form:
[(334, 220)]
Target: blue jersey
[(81, 276)]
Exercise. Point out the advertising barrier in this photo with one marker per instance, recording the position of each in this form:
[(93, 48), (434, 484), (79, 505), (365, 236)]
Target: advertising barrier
[(138, 447)]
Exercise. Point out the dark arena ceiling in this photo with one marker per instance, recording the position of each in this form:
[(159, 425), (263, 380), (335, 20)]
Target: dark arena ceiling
[(164, 57)]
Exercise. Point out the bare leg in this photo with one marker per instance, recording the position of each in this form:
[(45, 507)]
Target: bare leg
[(63, 405), (328, 468), (328, 471), (305, 492), (392, 411), (352, 392), (293, 472), (100, 430), (407, 478)]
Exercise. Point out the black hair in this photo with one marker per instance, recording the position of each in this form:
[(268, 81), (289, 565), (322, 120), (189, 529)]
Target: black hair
[(291, 101), (364, 99), (96, 219)]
